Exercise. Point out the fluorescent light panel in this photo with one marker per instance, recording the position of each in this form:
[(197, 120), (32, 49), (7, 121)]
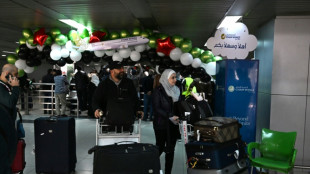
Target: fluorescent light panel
[(73, 23), (228, 20), (9, 52)]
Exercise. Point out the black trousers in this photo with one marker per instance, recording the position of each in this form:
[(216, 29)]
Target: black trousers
[(166, 143), (82, 97)]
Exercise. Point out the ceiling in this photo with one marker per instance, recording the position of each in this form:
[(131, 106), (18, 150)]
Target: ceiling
[(192, 19)]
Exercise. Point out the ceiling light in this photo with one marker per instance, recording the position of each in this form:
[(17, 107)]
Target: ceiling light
[(9, 52), (74, 24), (3, 55), (228, 20)]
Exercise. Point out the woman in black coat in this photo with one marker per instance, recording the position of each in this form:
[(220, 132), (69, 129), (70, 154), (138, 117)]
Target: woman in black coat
[(166, 117)]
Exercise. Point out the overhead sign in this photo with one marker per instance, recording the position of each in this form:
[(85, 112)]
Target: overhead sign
[(233, 42)]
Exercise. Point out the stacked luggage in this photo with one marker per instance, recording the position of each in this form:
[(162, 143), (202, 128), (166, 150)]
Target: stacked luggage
[(216, 147)]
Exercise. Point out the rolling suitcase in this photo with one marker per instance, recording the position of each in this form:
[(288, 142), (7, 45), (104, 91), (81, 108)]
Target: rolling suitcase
[(19, 162), (136, 158), (55, 144), (210, 155), (217, 129)]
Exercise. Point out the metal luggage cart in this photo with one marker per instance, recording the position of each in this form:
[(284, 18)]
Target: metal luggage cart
[(107, 135)]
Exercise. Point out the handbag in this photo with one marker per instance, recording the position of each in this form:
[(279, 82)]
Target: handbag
[(20, 127)]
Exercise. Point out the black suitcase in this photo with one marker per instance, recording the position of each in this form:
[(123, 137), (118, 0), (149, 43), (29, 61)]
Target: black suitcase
[(210, 155), (137, 158), (55, 144)]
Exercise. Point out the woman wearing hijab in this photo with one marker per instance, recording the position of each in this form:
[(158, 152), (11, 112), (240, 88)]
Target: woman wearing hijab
[(166, 118)]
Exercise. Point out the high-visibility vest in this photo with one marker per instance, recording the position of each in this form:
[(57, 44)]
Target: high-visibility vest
[(188, 82)]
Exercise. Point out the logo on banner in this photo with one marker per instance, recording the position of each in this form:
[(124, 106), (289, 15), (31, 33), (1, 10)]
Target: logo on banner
[(231, 88)]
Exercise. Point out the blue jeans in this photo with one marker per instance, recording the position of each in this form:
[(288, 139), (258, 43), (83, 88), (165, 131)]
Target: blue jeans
[(147, 102)]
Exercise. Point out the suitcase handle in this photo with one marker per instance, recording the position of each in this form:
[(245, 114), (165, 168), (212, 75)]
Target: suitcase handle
[(125, 142), (52, 119)]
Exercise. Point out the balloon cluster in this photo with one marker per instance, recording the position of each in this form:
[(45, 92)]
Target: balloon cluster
[(57, 48)]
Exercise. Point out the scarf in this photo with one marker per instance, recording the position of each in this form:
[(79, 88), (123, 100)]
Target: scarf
[(172, 91)]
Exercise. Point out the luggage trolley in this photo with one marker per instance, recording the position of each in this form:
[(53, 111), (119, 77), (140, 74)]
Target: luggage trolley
[(107, 135)]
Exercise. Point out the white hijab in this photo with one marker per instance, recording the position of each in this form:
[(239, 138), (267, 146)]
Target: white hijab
[(172, 91)]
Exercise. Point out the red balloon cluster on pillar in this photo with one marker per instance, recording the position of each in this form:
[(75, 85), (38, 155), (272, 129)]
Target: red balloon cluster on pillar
[(40, 37)]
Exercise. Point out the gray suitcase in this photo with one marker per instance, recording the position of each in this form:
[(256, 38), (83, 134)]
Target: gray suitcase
[(238, 167)]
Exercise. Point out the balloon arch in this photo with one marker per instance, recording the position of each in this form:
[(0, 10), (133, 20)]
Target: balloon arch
[(158, 50)]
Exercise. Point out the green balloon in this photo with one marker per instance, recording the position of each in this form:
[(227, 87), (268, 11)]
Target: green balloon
[(124, 33), (217, 58), (21, 73), (195, 52), (83, 33), (106, 33), (136, 32), (71, 34), (114, 35), (149, 31), (87, 39), (11, 58), (152, 41), (27, 33), (22, 40), (145, 34), (162, 36), (61, 39), (30, 41), (186, 45), (17, 50), (177, 40), (49, 40), (55, 32), (206, 57)]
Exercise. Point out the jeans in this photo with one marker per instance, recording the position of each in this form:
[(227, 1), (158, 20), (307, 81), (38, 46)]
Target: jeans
[(60, 99), (147, 102)]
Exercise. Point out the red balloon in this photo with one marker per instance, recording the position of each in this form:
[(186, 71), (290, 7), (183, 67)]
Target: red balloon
[(165, 46), (40, 37), (97, 36)]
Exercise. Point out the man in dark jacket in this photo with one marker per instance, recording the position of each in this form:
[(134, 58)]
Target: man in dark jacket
[(9, 92), (116, 91), (81, 83)]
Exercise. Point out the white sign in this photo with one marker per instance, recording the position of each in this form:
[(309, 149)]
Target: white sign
[(233, 42)]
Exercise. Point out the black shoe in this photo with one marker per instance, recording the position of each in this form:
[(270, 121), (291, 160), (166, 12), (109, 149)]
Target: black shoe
[(64, 115)]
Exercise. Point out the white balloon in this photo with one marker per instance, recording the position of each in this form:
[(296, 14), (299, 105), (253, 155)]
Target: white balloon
[(55, 54), (135, 56), (110, 52), (69, 45), (186, 59), (148, 47), (196, 63), (124, 53), (140, 48), (64, 52), (160, 54), (30, 46), (20, 64), (211, 68), (29, 69), (55, 47), (175, 54), (99, 53), (75, 55), (117, 57), (40, 48)]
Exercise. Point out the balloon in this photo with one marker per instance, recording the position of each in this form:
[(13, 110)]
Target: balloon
[(30, 46), (87, 57), (162, 36), (196, 63), (61, 39), (36, 62), (23, 47), (30, 40), (96, 59), (40, 48), (27, 33), (29, 69), (99, 53), (136, 32), (135, 56), (186, 45), (20, 64), (149, 31), (211, 68), (125, 52), (30, 63), (110, 52), (216, 58), (165, 46), (75, 55), (69, 45), (140, 48), (151, 53), (186, 59), (72, 34), (61, 62), (33, 53), (22, 41), (22, 54), (175, 54), (64, 53), (11, 58), (56, 47), (177, 40), (83, 33), (196, 52), (117, 57), (46, 50), (152, 42), (105, 31), (160, 54), (145, 34), (97, 36), (124, 33), (206, 56), (16, 50), (114, 35), (49, 40), (39, 55), (68, 60), (40, 37), (55, 54), (54, 32), (21, 73)]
